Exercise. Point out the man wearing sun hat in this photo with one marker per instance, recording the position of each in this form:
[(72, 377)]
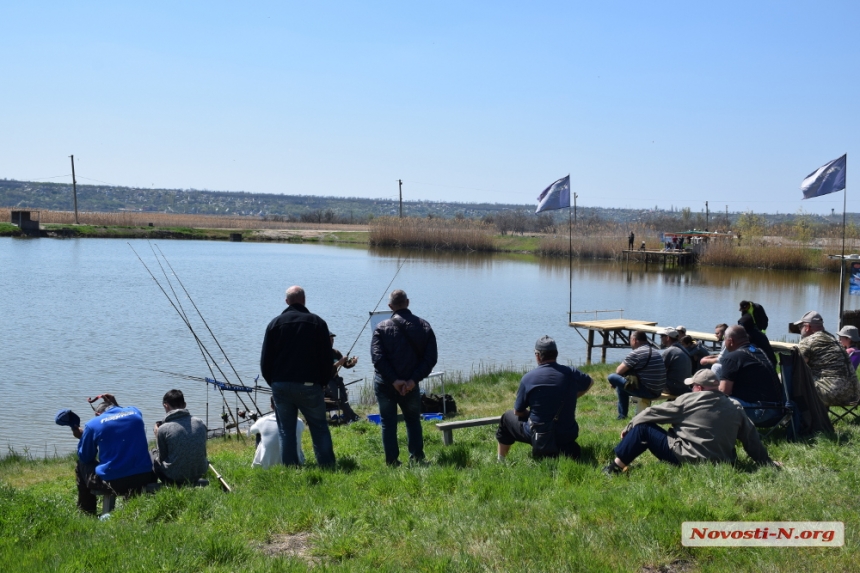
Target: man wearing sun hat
[(704, 427), (849, 336), (831, 368)]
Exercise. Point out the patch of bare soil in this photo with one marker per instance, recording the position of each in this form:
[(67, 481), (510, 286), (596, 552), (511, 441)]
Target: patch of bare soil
[(286, 234), (284, 545), (677, 566)]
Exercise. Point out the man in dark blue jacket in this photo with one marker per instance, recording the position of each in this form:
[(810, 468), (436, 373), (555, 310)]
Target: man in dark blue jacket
[(296, 363), (546, 402), (403, 351)]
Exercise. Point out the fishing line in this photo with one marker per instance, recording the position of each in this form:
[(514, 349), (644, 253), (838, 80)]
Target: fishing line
[(188, 321), (212, 334), (188, 324), (181, 310), (384, 292)]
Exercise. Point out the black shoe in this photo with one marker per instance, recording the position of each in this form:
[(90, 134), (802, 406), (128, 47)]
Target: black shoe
[(621, 417), (394, 464), (612, 469)]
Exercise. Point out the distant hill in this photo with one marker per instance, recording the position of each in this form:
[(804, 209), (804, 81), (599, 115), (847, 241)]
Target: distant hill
[(58, 196)]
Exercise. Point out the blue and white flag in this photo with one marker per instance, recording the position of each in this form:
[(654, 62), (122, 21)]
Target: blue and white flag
[(556, 196), (826, 179)]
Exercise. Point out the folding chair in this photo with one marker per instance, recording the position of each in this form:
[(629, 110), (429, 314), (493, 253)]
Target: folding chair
[(852, 410), (789, 418)]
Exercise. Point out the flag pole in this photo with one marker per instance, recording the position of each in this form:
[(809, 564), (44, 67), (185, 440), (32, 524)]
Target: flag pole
[(570, 264), (842, 259)]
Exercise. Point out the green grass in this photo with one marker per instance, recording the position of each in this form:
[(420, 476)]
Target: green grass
[(462, 512)]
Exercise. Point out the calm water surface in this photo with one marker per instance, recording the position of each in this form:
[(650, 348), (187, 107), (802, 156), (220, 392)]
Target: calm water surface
[(82, 317)]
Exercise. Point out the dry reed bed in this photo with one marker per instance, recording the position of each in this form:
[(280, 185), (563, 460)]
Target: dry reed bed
[(440, 234), (143, 219), (766, 256)]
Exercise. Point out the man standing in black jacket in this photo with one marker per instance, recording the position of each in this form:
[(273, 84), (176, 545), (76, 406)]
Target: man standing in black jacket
[(296, 363), (403, 350)]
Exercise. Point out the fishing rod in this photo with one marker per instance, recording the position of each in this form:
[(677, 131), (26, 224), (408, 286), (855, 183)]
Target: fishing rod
[(384, 292), (203, 350), (200, 314)]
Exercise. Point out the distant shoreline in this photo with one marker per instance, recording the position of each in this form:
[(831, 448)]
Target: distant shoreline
[(444, 235)]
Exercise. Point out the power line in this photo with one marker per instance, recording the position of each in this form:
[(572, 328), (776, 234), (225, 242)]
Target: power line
[(100, 181), (42, 178)]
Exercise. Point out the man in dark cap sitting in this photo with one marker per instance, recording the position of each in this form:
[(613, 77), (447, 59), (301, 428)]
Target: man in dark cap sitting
[(546, 402)]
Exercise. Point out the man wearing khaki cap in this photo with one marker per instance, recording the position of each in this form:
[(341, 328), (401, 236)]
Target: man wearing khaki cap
[(831, 368), (705, 425)]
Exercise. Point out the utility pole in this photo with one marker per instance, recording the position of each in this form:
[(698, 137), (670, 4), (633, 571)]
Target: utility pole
[(75, 188), (400, 185), (707, 216), (575, 196)]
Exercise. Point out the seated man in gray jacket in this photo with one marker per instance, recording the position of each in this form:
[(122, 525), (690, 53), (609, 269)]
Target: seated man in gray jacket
[(181, 454), (705, 425)]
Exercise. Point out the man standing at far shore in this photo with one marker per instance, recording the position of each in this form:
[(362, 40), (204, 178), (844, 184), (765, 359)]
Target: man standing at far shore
[(296, 363)]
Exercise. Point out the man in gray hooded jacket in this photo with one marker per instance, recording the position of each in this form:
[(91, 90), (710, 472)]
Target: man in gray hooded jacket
[(181, 438)]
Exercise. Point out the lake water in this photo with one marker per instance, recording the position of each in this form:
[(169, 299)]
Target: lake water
[(81, 317)]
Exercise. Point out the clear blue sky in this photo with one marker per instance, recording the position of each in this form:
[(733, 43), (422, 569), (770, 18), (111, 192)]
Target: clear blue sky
[(643, 103)]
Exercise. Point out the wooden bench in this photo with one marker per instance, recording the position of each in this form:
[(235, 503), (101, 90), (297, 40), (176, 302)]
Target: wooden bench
[(640, 404), (447, 428)]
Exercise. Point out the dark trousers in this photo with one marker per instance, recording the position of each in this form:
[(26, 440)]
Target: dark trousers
[(617, 381), (643, 437), (410, 404), (513, 429), (336, 390), (86, 479)]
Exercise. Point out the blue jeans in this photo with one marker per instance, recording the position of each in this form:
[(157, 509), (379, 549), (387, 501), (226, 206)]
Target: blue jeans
[(410, 405), (617, 381), (643, 437), (764, 417), (290, 398)]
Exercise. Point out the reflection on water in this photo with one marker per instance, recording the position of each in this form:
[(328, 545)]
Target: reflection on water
[(82, 317)]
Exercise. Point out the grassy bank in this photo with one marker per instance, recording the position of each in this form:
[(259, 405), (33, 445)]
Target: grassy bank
[(462, 512)]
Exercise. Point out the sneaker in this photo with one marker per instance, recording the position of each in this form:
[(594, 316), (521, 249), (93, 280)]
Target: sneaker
[(612, 469), (621, 417)]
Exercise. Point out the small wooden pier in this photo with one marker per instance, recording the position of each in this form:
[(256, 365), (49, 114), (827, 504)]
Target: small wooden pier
[(615, 333), (666, 258)]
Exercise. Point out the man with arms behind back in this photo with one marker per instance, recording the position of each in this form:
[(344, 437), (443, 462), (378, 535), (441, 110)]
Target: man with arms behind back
[(403, 350)]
